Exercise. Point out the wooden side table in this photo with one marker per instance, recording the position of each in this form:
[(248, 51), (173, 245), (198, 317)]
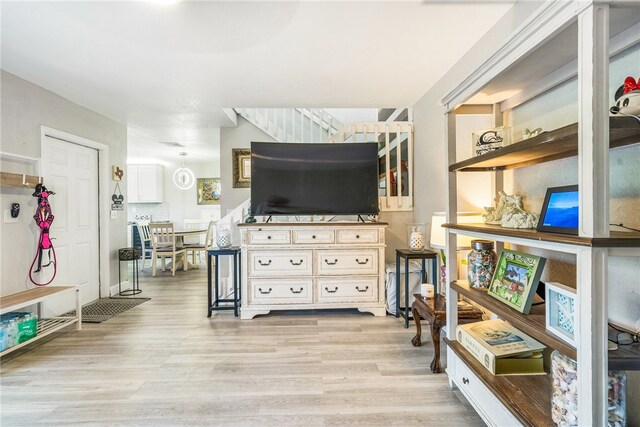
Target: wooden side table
[(408, 254), (433, 310)]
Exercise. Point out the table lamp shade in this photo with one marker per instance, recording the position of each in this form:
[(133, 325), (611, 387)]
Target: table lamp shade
[(437, 240)]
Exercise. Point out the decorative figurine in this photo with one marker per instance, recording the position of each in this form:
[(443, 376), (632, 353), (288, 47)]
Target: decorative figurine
[(526, 133), (509, 212), (627, 99)]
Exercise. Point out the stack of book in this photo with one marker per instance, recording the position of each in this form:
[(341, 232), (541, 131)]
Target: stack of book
[(501, 348)]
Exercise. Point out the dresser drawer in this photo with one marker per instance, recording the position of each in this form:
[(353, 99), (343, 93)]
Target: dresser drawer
[(487, 405), (346, 262), (281, 291), (313, 236), (348, 289), (280, 263), (268, 237), (365, 235)]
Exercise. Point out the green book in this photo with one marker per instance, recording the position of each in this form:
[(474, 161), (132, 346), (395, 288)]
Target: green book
[(501, 348)]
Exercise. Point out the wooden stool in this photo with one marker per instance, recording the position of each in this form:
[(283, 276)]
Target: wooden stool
[(433, 310)]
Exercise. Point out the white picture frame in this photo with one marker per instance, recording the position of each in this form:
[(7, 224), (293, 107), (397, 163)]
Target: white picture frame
[(561, 306)]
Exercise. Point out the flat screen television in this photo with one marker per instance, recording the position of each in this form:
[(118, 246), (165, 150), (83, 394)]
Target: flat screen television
[(314, 179)]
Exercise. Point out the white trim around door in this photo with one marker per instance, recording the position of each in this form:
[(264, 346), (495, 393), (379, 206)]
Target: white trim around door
[(104, 200)]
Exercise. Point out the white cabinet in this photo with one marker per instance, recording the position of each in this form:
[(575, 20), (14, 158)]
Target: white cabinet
[(145, 184), (312, 266)]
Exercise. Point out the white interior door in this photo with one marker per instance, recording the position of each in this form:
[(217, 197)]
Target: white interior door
[(71, 171)]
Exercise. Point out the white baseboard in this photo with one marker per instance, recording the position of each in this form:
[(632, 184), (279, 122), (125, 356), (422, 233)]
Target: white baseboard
[(113, 290)]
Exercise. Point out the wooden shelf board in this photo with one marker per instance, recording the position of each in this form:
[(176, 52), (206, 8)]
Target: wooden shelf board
[(625, 358), (8, 179), (618, 239), (552, 145), (527, 397), (32, 296), (532, 324)]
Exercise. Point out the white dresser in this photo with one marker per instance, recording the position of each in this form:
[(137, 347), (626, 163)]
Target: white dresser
[(302, 266)]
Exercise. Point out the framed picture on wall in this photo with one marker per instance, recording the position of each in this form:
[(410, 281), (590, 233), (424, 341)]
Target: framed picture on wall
[(241, 168), (209, 191)]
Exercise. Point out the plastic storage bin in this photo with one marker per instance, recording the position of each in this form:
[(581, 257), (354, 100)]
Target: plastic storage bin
[(17, 327)]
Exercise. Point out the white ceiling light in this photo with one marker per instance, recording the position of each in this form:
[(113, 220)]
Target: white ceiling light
[(183, 177)]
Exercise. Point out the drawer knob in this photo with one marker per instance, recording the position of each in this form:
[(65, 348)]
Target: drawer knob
[(465, 380), (264, 292), (331, 292), (313, 237), (335, 261), (357, 236), (264, 263), (295, 263), (363, 262), (362, 290), (296, 292), (268, 237)]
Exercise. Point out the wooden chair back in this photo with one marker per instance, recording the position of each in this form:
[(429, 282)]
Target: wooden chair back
[(144, 231), (209, 237), (162, 235)]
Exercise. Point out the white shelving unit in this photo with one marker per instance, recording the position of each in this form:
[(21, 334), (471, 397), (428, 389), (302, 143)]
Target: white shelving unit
[(562, 40), (37, 296)]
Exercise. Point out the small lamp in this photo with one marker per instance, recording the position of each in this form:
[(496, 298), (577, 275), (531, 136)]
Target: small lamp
[(437, 240)]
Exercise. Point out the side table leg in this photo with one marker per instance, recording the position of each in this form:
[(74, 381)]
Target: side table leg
[(406, 292), (208, 284), (436, 326), (397, 285), (416, 317)]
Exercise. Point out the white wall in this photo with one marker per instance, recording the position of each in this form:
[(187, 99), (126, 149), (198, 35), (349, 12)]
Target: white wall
[(230, 138), (25, 107)]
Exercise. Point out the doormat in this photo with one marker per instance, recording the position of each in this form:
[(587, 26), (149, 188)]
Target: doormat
[(106, 308)]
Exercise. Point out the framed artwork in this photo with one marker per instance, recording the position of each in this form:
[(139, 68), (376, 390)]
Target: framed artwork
[(208, 191), (561, 306), (516, 279), (559, 212), (241, 168)]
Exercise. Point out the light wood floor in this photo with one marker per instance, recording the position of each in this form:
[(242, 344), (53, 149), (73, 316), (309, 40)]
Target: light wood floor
[(165, 363)]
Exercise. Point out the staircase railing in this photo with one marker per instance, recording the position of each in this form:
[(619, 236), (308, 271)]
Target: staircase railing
[(293, 124), (395, 151)]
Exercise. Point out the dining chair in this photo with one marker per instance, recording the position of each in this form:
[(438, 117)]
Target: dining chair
[(145, 240), (193, 224), (164, 246), (201, 247)]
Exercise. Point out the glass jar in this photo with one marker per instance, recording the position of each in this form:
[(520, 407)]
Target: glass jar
[(415, 236), (223, 235), (564, 390), (617, 386), (564, 393), (481, 263)]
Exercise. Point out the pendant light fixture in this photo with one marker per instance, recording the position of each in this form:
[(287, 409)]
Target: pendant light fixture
[(183, 177)]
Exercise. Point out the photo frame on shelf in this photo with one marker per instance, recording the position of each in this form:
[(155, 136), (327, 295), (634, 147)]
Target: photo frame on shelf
[(516, 279), (241, 168), (208, 191), (561, 306), (560, 210)]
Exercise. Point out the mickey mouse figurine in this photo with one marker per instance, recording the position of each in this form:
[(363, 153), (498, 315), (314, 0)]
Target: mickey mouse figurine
[(628, 99)]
